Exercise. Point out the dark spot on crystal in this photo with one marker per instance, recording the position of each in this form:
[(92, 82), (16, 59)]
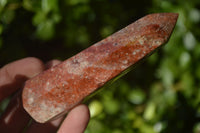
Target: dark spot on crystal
[(115, 44)]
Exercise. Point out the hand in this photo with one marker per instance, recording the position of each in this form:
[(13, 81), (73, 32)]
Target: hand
[(15, 119)]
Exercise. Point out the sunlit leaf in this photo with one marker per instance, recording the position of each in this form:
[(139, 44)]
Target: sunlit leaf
[(149, 112), (48, 5), (158, 127), (95, 108), (2, 4)]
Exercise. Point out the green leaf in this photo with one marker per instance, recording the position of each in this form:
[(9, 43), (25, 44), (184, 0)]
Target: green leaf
[(2, 4), (95, 126), (95, 108), (48, 5), (106, 31), (32, 5), (136, 96), (187, 81), (76, 2), (111, 106), (39, 18), (197, 128), (185, 59), (149, 112), (194, 15), (8, 16), (45, 30), (189, 41), (166, 75)]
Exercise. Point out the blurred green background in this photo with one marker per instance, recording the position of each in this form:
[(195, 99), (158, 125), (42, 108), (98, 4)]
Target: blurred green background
[(161, 95)]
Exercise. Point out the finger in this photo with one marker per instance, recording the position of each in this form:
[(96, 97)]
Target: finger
[(15, 118), (14, 74), (52, 63), (76, 121)]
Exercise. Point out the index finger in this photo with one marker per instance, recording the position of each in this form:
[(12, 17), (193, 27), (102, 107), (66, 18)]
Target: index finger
[(14, 74)]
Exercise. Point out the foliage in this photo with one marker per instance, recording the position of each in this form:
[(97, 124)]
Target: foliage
[(161, 95)]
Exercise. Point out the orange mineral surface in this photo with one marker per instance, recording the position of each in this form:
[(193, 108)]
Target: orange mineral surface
[(58, 89)]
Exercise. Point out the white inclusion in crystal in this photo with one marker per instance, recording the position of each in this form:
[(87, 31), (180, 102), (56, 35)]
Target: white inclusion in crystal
[(58, 109), (30, 100), (44, 106), (65, 83), (144, 52), (52, 69), (30, 90), (48, 86), (73, 96), (124, 61), (123, 67), (136, 51), (31, 96), (76, 68), (156, 43), (142, 40)]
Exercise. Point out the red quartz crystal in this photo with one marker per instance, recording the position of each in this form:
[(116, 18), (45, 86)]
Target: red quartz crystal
[(58, 89)]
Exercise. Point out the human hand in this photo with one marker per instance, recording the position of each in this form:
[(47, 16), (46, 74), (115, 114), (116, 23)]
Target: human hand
[(15, 119)]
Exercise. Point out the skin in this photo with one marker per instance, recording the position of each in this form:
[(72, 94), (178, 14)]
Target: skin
[(15, 118)]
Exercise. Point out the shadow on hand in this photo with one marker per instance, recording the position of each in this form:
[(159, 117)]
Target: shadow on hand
[(8, 89), (15, 119)]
